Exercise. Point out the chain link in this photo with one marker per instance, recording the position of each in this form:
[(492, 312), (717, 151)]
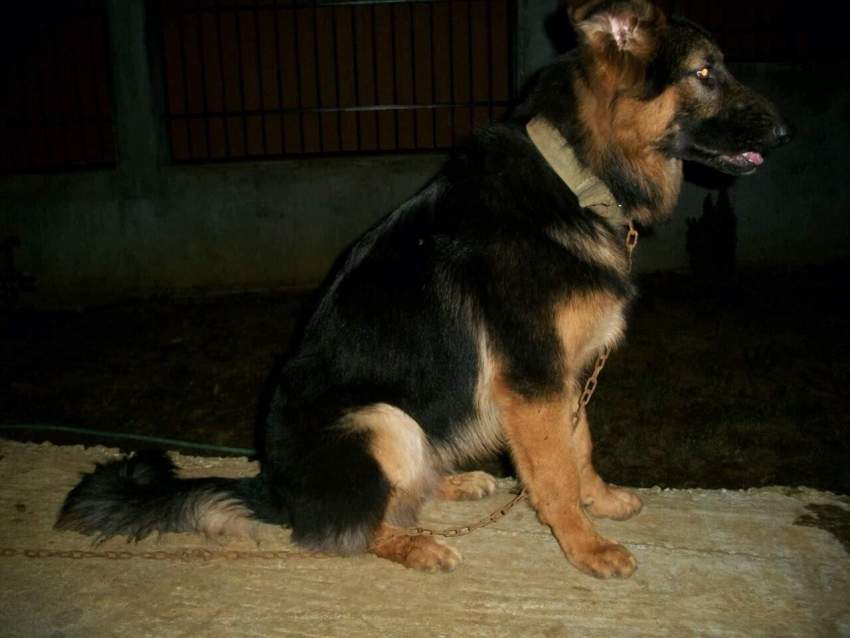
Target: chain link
[(592, 381), (631, 242), (201, 554), (590, 384), (196, 554), (452, 532)]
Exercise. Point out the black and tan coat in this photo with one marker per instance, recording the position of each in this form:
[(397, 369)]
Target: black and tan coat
[(464, 321)]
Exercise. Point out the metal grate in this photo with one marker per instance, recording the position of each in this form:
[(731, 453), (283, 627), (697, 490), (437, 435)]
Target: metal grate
[(274, 78), (55, 106)]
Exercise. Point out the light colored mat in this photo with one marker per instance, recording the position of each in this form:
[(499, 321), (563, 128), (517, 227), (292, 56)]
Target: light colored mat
[(711, 563)]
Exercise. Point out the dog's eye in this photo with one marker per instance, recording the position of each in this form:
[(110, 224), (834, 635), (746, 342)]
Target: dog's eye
[(704, 73)]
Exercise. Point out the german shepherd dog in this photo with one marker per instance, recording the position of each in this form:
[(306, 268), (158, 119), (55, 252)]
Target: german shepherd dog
[(464, 321)]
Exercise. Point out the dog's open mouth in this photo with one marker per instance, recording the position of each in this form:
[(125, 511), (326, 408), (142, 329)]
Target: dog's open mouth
[(734, 163), (742, 163), (745, 162), (748, 159)]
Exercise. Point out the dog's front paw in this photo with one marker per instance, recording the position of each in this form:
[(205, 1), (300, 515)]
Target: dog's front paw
[(616, 503), (604, 559)]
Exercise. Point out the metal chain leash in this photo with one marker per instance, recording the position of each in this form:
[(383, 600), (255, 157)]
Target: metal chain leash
[(590, 384), (602, 358), (631, 243), (194, 554), (452, 532), (200, 554)]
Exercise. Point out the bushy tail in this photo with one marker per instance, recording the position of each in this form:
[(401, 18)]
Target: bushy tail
[(141, 494)]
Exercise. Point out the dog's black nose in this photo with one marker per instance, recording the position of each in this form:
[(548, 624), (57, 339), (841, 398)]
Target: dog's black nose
[(783, 133)]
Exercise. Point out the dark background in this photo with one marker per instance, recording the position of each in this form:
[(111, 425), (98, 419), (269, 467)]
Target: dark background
[(114, 315)]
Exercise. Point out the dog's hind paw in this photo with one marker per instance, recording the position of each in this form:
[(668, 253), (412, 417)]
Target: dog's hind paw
[(432, 557), (424, 553), (615, 503), (468, 486)]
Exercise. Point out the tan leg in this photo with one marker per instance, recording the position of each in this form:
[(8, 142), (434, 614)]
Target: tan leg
[(468, 486), (418, 552), (598, 497), (540, 437)]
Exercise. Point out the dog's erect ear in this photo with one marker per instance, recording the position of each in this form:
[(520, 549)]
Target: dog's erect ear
[(626, 25)]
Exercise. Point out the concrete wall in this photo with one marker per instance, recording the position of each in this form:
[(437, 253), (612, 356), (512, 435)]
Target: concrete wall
[(218, 226), (148, 225)]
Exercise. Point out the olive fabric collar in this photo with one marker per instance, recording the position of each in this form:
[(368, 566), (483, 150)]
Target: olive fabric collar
[(588, 188)]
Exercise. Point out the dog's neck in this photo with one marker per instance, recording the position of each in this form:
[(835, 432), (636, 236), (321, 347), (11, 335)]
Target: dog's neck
[(591, 191)]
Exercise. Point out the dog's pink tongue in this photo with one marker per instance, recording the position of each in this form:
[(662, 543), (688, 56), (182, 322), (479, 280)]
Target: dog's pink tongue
[(753, 158)]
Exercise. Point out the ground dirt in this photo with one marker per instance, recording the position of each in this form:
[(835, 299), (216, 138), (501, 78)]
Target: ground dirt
[(736, 385)]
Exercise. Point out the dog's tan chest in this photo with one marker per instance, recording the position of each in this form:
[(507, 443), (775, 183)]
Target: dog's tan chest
[(588, 323)]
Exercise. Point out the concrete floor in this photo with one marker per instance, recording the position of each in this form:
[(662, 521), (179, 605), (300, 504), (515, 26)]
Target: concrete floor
[(767, 562)]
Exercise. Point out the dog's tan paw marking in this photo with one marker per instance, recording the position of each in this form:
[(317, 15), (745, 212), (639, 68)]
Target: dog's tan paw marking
[(616, 503), (419, 552), (605, 559), (468, 486)]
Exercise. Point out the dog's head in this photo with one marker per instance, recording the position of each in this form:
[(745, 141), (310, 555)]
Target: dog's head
[(659, 84)]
